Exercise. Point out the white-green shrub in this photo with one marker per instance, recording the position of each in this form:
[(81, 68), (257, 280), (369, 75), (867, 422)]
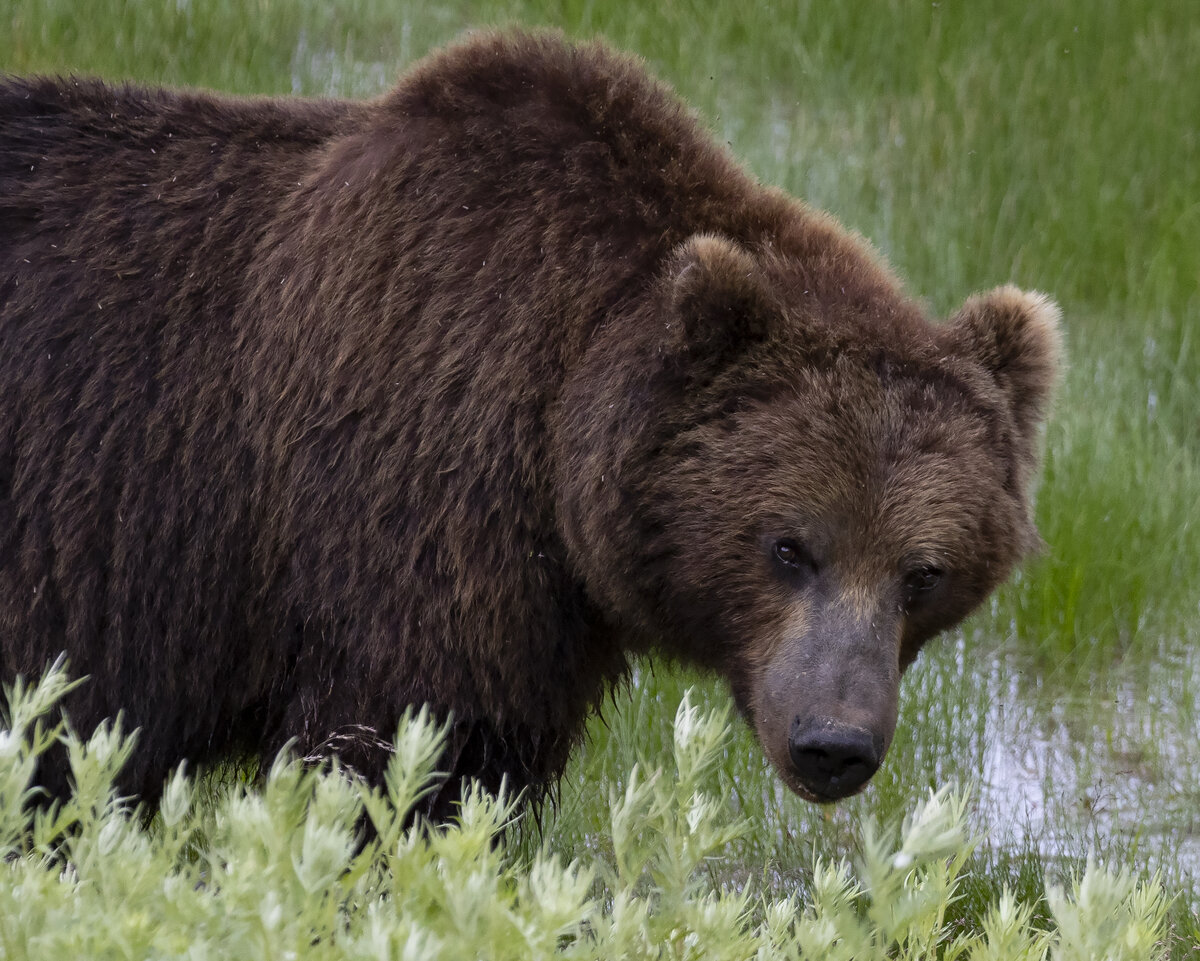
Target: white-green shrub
[(282, 870)]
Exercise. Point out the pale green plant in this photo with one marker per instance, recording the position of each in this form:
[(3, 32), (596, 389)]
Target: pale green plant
[(1008, 934), (284, 869), (1106, 915)]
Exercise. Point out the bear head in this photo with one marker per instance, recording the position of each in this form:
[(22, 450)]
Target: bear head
[(781, 471)]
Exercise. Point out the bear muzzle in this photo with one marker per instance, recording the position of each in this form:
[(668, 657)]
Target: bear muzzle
[(832, 759), (825, 704)]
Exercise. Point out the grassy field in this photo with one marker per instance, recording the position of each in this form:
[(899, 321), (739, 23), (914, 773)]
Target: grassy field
[(281, 869), (1053, 144)]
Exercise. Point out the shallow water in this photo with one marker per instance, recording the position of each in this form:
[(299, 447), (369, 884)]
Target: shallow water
[(1113, 764)]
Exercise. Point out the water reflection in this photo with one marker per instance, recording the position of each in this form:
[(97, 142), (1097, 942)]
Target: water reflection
[(1111, 762)]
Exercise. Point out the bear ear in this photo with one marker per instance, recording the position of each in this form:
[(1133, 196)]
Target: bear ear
[(719, 297), (1016, 336)]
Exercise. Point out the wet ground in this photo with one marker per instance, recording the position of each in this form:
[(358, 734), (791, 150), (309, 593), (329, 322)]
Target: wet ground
[(1112, 763)]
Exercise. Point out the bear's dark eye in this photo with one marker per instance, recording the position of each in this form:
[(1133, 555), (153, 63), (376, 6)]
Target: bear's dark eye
[(919, 583), (792, 556)]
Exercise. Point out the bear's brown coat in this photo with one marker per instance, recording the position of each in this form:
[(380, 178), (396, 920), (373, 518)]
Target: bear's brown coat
[(313, 410)]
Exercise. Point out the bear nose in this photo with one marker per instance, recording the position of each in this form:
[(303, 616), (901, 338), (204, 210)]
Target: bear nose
[(833, 759)]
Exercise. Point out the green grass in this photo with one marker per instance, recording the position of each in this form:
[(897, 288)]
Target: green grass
[(1054, 144)]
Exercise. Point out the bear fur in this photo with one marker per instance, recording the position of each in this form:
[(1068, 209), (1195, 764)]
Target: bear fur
[(312, 410)]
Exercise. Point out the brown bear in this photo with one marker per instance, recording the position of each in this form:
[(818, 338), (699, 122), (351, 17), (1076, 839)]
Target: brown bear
[(312, 410)]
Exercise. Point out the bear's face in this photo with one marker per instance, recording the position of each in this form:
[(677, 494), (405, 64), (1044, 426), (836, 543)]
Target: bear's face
[(814, 541), (833, 501)]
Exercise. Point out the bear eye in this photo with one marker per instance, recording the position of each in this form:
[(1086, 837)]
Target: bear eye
[(919, 583), (789, 553)]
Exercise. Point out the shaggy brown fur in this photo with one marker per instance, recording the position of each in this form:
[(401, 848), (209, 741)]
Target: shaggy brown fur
[(313, 410)]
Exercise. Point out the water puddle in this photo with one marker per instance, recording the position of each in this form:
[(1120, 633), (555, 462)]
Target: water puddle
[(1115, 767)]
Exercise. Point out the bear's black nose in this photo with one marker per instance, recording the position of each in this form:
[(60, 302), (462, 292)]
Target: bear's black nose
[(832, 759)]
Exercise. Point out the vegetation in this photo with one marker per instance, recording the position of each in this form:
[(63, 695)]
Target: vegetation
[(1054, 144), (282, 870)]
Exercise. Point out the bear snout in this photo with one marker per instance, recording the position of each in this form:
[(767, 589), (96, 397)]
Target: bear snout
[(833, 759)]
